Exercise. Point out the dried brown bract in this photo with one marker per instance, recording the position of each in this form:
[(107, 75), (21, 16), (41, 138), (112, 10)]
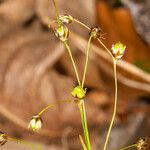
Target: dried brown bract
[(143, 144), (3, 138), (95, 32)]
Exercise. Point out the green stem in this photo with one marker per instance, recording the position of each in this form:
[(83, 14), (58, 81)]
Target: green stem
[(51, 106), (115, 107), (73, 62), (32, 146), (66, 44), (84, 124), (82, 24), (134, 145), (105, 47), (56, 12), (87, 59)]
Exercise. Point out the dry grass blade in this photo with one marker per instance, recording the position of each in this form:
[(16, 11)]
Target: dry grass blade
[(15, 13), (126, 81), (82, 142), (47, 62)]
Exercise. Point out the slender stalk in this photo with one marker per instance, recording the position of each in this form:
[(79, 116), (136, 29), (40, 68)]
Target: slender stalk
[(56, 12), (105, 47), (84, 125), (81, 106), (32, 146), (45, 109), (115, 106), (73, 62), (52, 105), (66, 44), (87, 59), (134, 145), (82, 24)]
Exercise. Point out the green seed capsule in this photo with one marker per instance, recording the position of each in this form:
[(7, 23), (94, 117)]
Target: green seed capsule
[(66, 19), (78, 92), (62, 33), (35, 123), (118, 50)]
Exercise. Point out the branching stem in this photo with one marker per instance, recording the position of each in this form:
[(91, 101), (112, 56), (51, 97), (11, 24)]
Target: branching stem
[(84, 25), (81, 105)]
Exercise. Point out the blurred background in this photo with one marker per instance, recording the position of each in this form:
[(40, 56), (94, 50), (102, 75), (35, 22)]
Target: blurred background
[(35, 70)]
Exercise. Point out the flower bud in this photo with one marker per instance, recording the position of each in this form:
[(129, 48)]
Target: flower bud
[(66, 19), (3, 138), (62, 33), (143, 144), (95, 32), (78, 92), (118, 50), (35, 123)]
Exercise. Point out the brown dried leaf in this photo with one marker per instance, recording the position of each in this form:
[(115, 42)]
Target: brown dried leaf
[(99, 98), (14, 13)]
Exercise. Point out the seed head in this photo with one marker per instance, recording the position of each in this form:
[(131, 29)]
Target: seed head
[(118, 50), (95, 32), (35, 123), (62, 33), (3, 138), (78, 92), (66, 19), (143, 144)]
